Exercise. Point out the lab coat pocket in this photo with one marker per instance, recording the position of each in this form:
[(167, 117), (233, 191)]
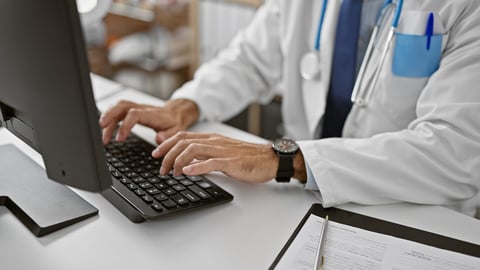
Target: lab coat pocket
[(416, 56)]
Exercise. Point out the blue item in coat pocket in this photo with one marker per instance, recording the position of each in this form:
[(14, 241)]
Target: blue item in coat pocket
[(412, 59)]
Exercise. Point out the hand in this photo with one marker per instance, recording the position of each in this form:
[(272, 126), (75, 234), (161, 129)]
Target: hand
[(176, 115), (198, 153)]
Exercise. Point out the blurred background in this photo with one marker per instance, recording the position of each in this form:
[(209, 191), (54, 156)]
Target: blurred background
[(156, 45)]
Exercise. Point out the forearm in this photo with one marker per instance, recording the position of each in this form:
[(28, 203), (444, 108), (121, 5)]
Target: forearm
[(420, 167)]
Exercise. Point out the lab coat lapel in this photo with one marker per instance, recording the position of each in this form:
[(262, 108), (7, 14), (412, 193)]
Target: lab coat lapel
[(315, 91)]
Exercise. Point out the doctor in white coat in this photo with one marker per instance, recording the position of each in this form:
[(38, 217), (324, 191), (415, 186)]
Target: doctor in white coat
[(411, 135)]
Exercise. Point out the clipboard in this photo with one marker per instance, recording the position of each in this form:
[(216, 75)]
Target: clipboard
[(382, 227)]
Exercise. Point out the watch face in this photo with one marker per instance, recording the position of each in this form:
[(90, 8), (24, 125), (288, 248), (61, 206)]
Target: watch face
[(285, 146)]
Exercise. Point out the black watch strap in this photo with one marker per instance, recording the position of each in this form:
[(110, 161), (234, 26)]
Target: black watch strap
[(285, 168)]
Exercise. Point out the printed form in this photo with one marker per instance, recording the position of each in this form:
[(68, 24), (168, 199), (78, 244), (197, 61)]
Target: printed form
[(352, 248)]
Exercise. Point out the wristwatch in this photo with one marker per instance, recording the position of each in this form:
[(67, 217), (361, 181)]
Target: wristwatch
[(285, 149)]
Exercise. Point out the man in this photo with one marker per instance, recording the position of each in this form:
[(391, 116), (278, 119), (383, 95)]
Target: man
[(412, 135)]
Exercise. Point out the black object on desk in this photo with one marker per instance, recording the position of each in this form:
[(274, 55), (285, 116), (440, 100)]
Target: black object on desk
[(383, 227), (141, 193), (46, 100), (42, 205)]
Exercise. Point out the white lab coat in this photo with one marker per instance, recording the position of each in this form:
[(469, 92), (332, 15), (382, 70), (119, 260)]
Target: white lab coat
[(417, 140)]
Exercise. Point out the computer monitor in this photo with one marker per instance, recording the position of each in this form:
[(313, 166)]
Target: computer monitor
[(46, 100)]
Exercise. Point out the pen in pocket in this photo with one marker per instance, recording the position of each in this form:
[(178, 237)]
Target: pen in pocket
[(429, 29)]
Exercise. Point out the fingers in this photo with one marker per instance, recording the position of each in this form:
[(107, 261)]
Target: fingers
[(197, 153), (107, 133), (166, 120), (143, 116), (165, 134), (167, 144), (109, 119), (186, 152), (204, 167), (130, 114), (181, 149)]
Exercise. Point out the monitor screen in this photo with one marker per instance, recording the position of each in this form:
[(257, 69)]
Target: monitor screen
[(46, 95)]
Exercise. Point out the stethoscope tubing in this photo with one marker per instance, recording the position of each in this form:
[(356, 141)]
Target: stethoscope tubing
[(357, 97), (320, 25), (362, 99), (368, 54)]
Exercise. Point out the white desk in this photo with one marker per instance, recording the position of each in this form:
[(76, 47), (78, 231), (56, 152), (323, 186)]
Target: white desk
[(246, 233)]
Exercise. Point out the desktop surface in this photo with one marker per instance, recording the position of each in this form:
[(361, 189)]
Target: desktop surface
[(246, 233)]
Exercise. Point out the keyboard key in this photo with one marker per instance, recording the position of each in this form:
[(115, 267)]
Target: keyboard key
[(180, 177), (131, 186), (112, 159), (169, 191), (118, 164), (186, 182), (138, 179), (131, 174), (116, 174), (151, 167), (215, 193), (163, 177), (171, 182), (139, 192), (160, 197), (153, 191), (200, 192), (139, 170), (125, 170), (157, 207), (179, 199), (153, 180), (161, 185), (204, 185), (190, 196), (146, 185), (195, 178), (124, 180), (147, 174), (169, 203), (127, 161), (147, 199), (179, 187)]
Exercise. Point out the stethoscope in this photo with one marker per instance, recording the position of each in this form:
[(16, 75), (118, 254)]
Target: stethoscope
[(310, 68)]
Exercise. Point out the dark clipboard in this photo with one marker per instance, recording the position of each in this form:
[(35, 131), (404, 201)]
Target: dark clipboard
[(383, 227)]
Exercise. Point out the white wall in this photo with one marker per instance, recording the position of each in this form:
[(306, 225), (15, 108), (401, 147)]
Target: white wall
[(219, 21)]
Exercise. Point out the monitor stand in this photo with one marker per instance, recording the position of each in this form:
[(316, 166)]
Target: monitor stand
[(42, 205)]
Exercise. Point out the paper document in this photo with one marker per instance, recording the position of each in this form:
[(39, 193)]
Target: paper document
[(352, 248)]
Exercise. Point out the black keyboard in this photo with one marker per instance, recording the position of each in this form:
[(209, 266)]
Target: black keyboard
[(137, 180)]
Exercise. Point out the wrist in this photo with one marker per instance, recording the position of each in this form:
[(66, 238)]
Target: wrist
[(186, 108), (299, 167)]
